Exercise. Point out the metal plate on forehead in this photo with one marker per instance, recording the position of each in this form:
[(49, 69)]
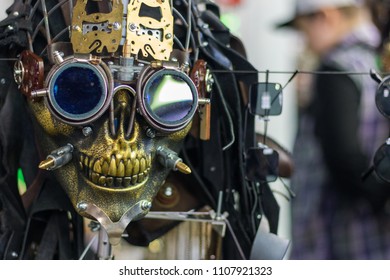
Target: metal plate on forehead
[(149, 29), (96, 31)]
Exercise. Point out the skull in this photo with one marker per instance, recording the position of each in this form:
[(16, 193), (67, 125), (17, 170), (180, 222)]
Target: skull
[(112, 170)]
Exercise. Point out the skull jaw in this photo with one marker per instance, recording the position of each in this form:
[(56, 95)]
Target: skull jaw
[(113, 202)]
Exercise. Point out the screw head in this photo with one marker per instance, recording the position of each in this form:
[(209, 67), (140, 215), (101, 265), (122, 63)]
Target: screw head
[(87, 131), (116, 25), (132, 27), (82, 206), (146, 205)]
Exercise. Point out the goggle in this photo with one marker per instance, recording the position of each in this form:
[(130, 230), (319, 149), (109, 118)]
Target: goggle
[(78, 91), (382, 162)]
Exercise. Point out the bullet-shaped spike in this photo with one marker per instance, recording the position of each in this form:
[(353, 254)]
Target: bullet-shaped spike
[(183, 168), (47, 163)]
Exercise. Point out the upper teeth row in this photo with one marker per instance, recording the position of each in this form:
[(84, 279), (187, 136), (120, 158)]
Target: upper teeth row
[(115, 167)]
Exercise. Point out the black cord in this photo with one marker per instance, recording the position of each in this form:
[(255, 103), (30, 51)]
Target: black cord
[(199, 179)]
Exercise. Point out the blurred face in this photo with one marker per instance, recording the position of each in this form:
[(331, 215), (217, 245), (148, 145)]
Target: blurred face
[(318, 30)]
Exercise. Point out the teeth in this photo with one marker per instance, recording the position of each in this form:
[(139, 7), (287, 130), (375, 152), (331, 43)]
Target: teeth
[(127, 182), (95, 178), (102, 181), (112, 170), (118, 172), (129, 168), (97, 167), (136, 167), (134, 179), (121, 169), (142, 165), (110, 182), (105, 168)]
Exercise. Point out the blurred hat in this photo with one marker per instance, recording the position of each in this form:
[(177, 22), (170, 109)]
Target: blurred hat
[(306, 7)]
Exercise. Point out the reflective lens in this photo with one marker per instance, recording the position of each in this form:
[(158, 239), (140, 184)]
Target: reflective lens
[(382, 162), (382, 99), (77, 91), (170, 97)]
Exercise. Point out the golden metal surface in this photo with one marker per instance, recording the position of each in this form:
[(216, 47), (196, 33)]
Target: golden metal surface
[(94, 32), (183, 168), (46, 164), (149, 36), (111, 172)]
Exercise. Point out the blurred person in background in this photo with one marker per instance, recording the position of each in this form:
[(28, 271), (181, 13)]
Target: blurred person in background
[(336, 214)]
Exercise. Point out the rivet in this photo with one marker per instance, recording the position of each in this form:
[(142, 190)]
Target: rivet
[(146, 205), (82, 206), (150, 133), (132, 27), (87, 131)]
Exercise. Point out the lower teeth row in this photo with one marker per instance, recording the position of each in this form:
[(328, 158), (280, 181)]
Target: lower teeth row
[(116, 182)]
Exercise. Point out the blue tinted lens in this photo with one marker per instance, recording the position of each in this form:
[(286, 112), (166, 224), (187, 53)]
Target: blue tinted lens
[(78, 91), (169, 98)]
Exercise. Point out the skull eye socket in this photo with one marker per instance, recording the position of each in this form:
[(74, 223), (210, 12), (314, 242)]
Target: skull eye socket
[(170, 99), (77, 92)]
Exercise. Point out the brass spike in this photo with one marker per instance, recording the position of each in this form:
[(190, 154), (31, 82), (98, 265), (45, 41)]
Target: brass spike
[(47, 163), (183, 168)]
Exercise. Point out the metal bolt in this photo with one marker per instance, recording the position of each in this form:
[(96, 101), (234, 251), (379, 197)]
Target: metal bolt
[(150, 133), (82, 206), (2, 81), (132, 27), (94, 226), (388, 141), (206, 26), (76, 28), (87, 131), (146, 205), (15, 14), (116, 25), (15, 255), (10, 27), (205, 44), (168, 36)]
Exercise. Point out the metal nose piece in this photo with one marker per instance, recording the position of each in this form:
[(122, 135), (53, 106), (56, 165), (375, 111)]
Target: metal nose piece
[(122, 112)]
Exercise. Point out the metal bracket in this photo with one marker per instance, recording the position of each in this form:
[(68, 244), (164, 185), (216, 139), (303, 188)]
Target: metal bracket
[(115, 229), (218, 222)]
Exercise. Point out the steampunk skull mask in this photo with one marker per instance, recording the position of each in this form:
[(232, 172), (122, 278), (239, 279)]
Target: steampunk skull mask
[(113, 109)]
